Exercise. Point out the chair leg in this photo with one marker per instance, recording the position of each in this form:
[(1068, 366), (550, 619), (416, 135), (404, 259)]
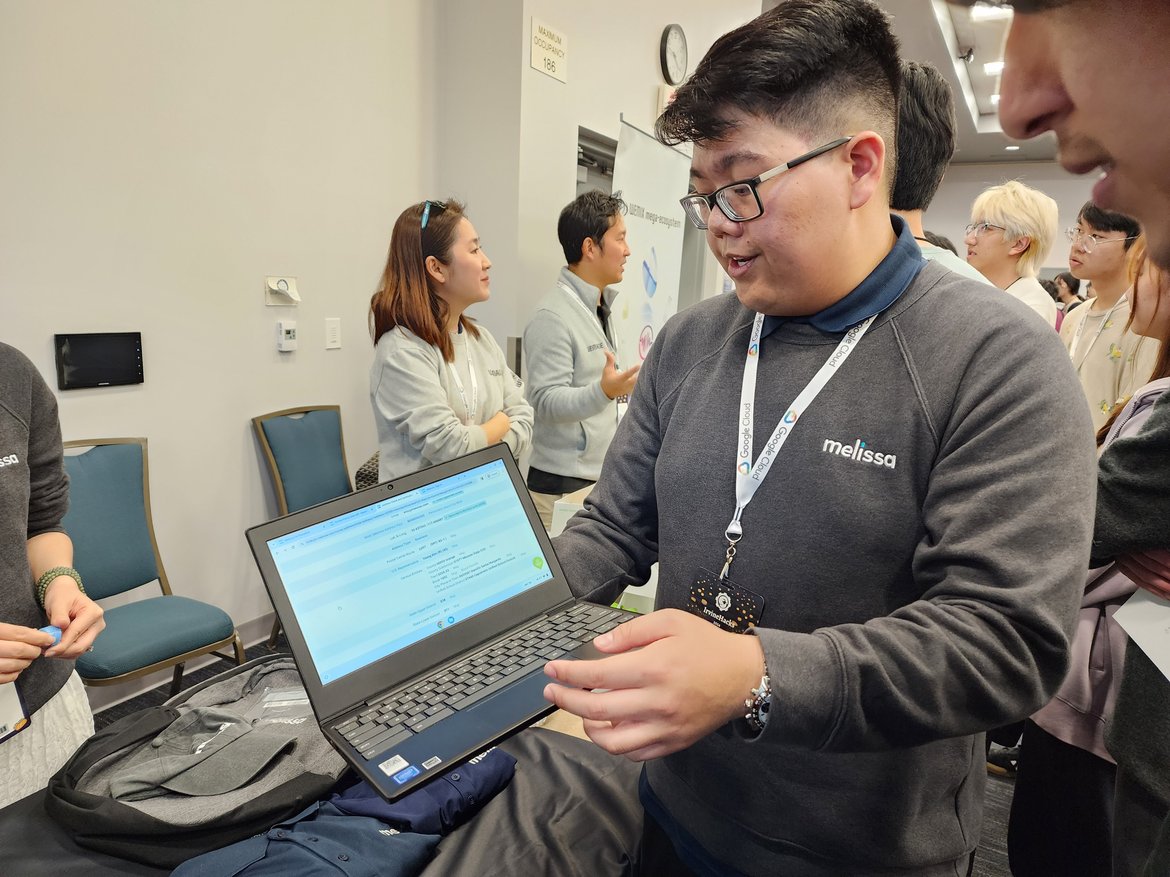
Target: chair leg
[(177, 679), (238, 644), (275, 635)]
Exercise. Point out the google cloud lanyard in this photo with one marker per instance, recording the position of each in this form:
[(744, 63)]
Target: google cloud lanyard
[(473, 406), (716, 597), (1076, 341), (748, 478)]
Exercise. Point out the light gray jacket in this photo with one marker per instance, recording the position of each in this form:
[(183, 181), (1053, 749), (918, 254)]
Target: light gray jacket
[(418, 409), (564, 348)]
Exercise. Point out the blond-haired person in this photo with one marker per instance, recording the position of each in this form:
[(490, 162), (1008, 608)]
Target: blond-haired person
[(1012, 229)]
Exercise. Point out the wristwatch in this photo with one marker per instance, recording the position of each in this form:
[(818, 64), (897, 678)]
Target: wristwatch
[(759, 704)]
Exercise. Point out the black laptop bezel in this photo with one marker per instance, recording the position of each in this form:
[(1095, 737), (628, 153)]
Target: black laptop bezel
[(332, 700)]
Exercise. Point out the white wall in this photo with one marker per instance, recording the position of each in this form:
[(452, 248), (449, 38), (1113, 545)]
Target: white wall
[(507, 138), (951, 210), (158, 160), (613, 70)]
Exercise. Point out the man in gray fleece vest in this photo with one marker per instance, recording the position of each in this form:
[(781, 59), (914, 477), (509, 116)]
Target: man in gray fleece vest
[(574, 384), (855, 460)]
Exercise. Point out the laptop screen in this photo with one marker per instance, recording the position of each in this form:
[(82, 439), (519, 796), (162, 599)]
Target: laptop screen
[(390, 574)]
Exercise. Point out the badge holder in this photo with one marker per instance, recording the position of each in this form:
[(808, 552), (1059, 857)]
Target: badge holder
[(721, 601)]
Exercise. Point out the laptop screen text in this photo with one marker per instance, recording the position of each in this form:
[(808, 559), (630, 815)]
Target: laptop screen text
[(386, 576)]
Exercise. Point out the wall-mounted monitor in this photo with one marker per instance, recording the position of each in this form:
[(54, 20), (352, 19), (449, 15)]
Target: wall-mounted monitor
[(98, 359)]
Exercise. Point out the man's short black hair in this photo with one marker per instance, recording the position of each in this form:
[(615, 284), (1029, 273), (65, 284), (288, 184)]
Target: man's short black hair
[(589, 215), (1073, 283), (926, 136), (814, 67), (1050, 288), (1106, 220)]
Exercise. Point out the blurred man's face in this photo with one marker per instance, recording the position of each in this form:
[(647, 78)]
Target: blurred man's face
[(1095, 73)]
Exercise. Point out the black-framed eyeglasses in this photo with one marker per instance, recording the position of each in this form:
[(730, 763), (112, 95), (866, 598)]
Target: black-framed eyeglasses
[(980, 228), (428, 206), (740, 201), (1088, 241)]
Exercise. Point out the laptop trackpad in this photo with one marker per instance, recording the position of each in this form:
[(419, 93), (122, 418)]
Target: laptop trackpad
[(520, 702)]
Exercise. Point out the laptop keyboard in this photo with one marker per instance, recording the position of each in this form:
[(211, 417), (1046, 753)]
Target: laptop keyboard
[(394, 718)]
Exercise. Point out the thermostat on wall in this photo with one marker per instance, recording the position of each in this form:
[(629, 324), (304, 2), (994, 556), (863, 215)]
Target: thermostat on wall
[(286, 335)]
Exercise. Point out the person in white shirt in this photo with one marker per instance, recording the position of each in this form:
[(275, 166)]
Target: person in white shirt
[(1111, 360), (1012, 228)]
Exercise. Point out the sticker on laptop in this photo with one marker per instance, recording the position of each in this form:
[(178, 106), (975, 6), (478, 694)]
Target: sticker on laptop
[(433, 761), (393, 765), (408, 774)]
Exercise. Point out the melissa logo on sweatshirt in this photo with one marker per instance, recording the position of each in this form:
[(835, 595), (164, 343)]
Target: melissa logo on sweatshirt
[(9, 460), (860, 453)]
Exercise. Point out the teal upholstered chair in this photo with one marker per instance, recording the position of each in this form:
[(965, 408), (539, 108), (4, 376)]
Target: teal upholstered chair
[(306, 458), (115, 551)]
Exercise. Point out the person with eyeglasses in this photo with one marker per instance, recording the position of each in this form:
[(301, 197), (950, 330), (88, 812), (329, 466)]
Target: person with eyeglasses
[(1110, 359), (440, 385), (1061, 818), (1012, 230), (847, 473), (1091, 73)]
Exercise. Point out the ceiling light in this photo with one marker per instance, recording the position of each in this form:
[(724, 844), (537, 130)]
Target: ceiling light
[(1012, 148), (990, 13), (995, 100), (993, 68)]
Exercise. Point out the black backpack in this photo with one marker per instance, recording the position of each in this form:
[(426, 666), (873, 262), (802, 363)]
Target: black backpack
[(118, 829)]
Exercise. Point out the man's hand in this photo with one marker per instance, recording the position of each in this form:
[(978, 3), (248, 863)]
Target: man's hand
[(615, 383), (19, 647), (686, 679), (1149, 570), (79, 618)]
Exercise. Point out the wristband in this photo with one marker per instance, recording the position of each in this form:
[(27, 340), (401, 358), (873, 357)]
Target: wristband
[(49, 576)]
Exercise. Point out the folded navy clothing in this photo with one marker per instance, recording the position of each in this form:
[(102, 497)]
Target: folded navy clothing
[(441, 805), (320, 841)]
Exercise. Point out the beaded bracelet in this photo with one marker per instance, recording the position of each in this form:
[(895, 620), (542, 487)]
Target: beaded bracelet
[(49, 576)]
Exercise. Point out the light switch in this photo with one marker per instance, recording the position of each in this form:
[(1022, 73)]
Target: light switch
[(332, 333)]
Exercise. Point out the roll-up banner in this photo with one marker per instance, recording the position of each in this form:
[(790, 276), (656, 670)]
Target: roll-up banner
[(651, 178)]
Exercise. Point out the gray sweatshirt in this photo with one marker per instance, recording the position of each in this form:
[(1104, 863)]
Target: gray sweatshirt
[(564, 348), (910, 602), (34, 496), (419, 410)]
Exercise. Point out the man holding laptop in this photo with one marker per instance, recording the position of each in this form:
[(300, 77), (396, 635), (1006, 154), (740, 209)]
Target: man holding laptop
[(853, 461)]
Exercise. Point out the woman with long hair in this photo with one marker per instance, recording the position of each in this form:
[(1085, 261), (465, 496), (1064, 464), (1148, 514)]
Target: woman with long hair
[(440, 384), (1063, 804)]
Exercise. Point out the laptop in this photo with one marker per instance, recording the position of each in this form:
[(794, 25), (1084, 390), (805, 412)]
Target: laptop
[(421, 612)]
